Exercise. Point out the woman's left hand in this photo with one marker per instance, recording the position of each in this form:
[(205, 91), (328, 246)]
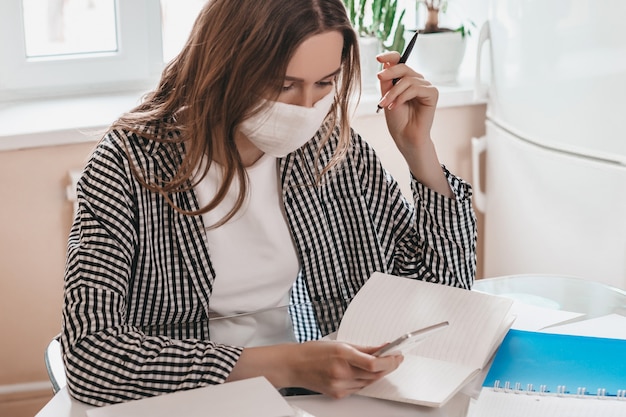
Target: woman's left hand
[(409, 104), (410, 110)]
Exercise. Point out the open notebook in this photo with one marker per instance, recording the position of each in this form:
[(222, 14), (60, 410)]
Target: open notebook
[(442, 364)]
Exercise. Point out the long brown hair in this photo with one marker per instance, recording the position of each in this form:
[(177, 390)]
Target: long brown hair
[(237, 53)]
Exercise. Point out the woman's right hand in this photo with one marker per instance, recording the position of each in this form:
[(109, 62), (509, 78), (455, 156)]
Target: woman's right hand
[(332, 368), (339, 369)]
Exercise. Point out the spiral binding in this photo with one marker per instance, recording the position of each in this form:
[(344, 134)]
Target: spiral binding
[(561, 390)]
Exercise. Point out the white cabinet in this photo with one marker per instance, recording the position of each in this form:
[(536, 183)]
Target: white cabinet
[(552, 212)]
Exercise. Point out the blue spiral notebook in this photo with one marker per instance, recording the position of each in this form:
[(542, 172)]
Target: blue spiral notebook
[(559, 364)]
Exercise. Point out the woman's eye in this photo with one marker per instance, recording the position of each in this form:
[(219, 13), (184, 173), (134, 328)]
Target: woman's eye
[(326, 83), (287, 87)]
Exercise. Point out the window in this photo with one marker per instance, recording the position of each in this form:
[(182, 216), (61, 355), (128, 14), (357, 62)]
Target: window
[(68, 47), (178, 17), (60, 47), (65, 28)]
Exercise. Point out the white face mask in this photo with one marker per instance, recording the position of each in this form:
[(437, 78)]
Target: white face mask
[(283, 128)]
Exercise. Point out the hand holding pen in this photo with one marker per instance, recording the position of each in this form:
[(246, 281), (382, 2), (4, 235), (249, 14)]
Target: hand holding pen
[(403, 59), (410, 102)]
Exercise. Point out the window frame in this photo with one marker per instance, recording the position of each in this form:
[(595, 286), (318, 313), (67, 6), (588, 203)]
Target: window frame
[(135, 65)]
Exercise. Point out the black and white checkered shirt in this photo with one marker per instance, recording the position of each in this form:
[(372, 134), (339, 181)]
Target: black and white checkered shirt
[(139, 275)]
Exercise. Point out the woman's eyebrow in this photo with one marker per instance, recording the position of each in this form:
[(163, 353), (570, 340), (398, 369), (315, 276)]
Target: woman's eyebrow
[(332, 74)]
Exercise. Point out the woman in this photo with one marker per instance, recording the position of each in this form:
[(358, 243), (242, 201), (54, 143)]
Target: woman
[(238, 186)]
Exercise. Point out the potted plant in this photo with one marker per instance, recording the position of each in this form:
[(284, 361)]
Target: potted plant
[(439, 51), (382, 21), (380, 27)]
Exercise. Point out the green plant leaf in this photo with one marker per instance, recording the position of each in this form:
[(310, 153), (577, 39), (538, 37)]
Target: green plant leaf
[(390, 18), (361, 19), (384, 16), (351, 11), (398, 37)]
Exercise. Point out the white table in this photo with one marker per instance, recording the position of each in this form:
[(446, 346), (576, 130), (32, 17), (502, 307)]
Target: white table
[(565, 293), (558, 292), (62, 405)]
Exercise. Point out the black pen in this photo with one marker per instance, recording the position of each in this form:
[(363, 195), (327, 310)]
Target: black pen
[(403, 59)]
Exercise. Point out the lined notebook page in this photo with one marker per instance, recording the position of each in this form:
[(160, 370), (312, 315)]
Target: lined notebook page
[(388, 306), (423, 381)]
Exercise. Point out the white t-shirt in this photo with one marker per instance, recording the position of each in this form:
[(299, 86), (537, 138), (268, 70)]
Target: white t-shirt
[(254, 258)]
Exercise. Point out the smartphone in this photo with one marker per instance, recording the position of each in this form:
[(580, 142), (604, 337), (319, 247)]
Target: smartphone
[(407, 341)]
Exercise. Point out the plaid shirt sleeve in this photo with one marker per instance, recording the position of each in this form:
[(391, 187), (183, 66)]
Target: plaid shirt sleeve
[(132, 325)]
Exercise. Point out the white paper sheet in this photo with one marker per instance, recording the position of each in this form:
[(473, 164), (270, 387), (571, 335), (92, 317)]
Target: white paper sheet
[(534, 318), (249, 397), (612, 326)]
